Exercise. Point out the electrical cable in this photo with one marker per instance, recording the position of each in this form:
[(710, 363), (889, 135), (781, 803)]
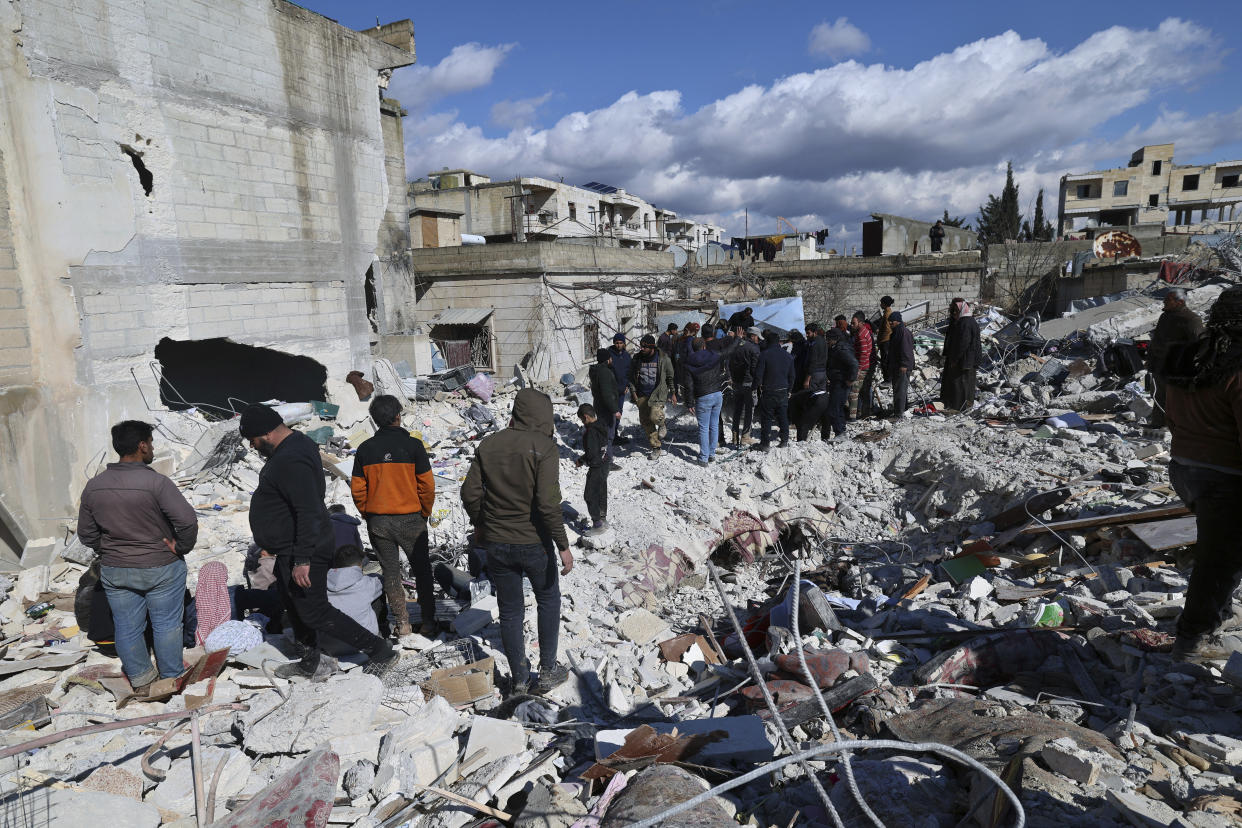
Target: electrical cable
[(838, 747), (819, 696), (777, 721)]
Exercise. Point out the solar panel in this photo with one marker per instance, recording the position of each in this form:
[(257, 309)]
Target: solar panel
[(603, 189)]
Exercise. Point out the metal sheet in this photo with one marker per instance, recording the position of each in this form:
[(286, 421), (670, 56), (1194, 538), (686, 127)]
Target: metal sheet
[(1166, 534), (462, 316)]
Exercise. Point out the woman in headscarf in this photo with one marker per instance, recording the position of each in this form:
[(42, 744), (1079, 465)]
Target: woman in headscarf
[(962, 353), (1205, 417)]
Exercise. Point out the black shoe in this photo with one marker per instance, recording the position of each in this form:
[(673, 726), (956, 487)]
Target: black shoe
[(761, 447), (303, 668), (430, 628), (550, 679), (1206, 647), (382, 662), (614, 467), (784, 444)]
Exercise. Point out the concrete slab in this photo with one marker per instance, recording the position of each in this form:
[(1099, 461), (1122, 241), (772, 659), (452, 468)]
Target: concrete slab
[(643, 627), (477, 616), (495, 737)]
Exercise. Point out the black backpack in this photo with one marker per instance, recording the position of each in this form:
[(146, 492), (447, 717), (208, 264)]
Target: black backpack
[(1122, 359)]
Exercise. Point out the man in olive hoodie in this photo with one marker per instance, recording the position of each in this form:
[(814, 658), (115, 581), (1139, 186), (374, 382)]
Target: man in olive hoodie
[(512, 494)]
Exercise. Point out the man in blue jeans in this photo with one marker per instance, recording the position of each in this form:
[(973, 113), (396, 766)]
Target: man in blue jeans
[(704, 379), (512, 494), (142, 527)]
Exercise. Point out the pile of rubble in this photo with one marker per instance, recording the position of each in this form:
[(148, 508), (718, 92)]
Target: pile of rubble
[(971, 598)]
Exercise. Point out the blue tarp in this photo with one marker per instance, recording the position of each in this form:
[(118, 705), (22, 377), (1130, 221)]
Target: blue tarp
[(781, 315)]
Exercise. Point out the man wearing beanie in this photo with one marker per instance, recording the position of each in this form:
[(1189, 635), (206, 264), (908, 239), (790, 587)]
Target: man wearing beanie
[(1204, 415), (900, 361), (288, 518), (651, 381), (512, 494)]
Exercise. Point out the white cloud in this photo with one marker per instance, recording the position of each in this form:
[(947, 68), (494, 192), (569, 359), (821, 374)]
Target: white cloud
[(838, 142), (469, 66), (838, 40), (519, 113)]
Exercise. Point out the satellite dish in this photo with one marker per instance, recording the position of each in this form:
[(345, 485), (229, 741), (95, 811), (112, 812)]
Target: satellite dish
[(1116, 244), (711, 253), (680, 257)]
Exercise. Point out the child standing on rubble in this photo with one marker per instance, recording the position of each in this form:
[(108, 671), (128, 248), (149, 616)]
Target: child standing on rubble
[(595, 458)]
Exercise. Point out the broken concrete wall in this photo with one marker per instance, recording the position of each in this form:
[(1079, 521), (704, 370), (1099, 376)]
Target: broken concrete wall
[(900, 236), (183, 169), (542, 295), (392, 253)]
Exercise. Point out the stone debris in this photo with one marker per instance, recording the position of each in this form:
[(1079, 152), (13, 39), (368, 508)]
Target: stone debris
[(966, 579)]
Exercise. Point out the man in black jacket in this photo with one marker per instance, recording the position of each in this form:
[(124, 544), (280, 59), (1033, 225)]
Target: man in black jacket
[(816, 358), (621, 359), (595, 458), (962, 354), (900, 361), (288, 518), (842, 371), (742, 365), (774, 376), (605, 394)]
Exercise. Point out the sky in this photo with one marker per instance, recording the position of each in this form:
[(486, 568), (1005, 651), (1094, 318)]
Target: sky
[(817, 112)]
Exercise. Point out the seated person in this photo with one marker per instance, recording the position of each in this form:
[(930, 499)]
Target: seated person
[(261, 594), (94, 614), (359, 596)]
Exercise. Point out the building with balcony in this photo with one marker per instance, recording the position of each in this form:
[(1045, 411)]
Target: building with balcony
[(1151, 190), (539, 209)]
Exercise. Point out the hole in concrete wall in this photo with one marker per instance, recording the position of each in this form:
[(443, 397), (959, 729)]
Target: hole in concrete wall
[(145, 178), (221, 376)]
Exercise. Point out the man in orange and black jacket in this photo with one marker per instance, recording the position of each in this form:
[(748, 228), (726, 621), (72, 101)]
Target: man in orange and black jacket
[(395, 490)]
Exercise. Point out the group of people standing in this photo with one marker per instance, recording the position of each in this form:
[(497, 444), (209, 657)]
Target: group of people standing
[(822, 378)]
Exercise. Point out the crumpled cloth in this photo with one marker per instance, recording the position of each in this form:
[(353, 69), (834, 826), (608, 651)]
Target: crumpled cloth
[(238, 636)]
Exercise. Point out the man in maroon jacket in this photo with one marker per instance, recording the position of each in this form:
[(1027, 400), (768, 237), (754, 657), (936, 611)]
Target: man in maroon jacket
[(142, 527)]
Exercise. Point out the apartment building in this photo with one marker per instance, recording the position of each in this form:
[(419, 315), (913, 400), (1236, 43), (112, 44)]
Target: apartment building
[(1151, 190), (461, 204)]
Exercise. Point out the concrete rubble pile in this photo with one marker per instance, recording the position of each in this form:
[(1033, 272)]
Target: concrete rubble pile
[(1002, 583)]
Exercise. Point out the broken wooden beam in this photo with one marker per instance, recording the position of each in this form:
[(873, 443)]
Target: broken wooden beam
[(1141, 516)]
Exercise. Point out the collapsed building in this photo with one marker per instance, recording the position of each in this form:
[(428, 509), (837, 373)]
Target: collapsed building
[(976, 604), (163, 182)]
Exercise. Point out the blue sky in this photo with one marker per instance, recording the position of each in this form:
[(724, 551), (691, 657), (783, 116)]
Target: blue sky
[(817, 112)]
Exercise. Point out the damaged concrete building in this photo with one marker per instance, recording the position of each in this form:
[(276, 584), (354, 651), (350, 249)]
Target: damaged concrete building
[(182, 171), (449, 203), (1154, 191)]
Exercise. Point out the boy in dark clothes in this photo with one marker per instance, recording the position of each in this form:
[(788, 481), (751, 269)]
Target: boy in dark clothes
[(595, 458)]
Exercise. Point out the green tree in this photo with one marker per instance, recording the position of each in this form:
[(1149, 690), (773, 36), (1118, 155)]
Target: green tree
[(999, 219), (782, 290), (1042, 228), (954, 221)]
